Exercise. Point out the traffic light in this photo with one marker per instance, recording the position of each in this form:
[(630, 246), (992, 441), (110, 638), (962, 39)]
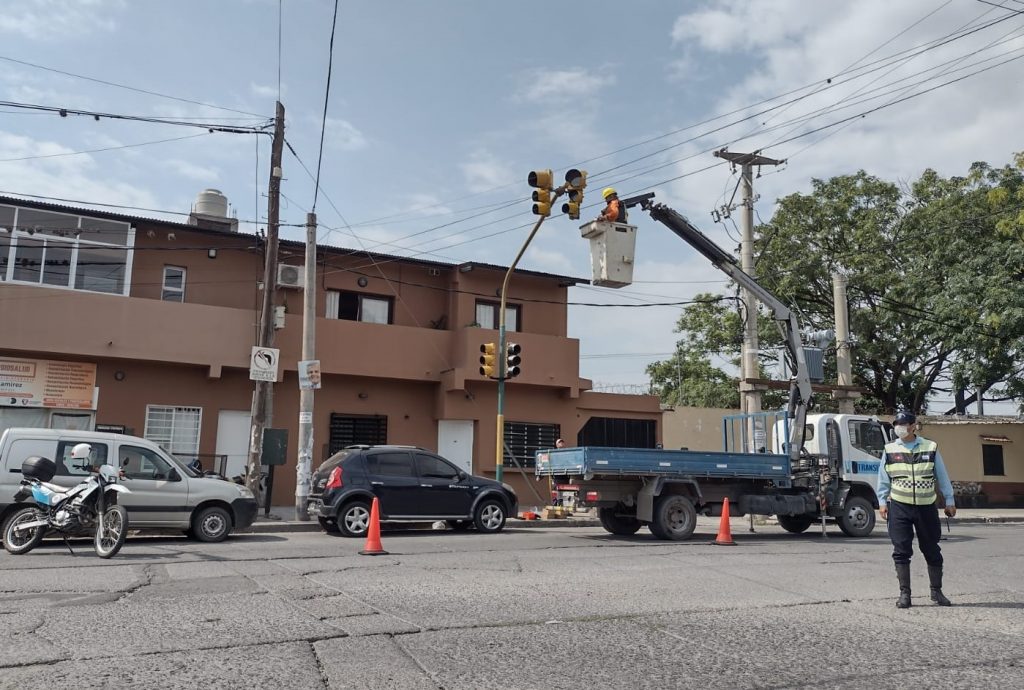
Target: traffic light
[(575, 183), (512, 360), (543, 180), (489, 360)]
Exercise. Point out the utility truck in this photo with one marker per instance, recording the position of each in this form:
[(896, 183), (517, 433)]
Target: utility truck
[(814, 467)]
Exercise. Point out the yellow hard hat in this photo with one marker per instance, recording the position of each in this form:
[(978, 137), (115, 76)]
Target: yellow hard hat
[(607, 192)]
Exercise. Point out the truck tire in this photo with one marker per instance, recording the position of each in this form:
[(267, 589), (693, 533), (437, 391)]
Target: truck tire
[(623, 525), (857, 518), (675, 518), (795, 523)]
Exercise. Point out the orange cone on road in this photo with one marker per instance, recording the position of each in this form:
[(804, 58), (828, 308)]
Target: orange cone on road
[(373, 546), (724, 537)]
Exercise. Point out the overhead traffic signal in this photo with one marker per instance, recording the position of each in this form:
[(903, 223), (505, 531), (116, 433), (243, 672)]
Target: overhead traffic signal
[(489, 360), (513, 360), (543, 181), (575, 183)]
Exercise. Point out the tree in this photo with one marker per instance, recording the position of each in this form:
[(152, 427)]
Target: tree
[(934, 272)]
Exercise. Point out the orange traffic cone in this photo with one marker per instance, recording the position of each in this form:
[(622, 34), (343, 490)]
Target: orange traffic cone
[(373, 546), (724, 537)]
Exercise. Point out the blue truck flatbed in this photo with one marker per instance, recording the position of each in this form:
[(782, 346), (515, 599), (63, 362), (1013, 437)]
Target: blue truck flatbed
[(591, 461)]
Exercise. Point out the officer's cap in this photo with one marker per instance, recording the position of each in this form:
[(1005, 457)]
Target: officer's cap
[(904, 417)]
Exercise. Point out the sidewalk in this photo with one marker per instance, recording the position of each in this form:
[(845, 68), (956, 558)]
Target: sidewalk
[(282, 519)]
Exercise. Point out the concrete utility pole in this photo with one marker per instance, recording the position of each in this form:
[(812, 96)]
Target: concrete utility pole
[(750, 397), (844, 368), (262, 399), (305, 463)]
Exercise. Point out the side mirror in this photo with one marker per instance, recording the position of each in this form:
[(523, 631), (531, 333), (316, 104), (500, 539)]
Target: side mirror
[(463, 476), (174, 476)]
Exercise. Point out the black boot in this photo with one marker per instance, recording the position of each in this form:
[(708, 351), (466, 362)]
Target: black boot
[(935, 580), (903, 575)]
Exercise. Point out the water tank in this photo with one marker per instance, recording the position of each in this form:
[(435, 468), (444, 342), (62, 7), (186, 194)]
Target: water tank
[(210, 202)]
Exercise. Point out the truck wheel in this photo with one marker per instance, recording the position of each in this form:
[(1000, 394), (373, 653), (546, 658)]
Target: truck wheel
[(795, 523), (675, 518), (622, 525), (857, 518)]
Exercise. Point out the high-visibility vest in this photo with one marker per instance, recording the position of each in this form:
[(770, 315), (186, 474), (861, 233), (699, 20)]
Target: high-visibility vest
[(911, 472)]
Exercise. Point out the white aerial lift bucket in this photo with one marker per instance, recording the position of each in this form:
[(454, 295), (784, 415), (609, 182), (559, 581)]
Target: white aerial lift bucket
[(611, 252)]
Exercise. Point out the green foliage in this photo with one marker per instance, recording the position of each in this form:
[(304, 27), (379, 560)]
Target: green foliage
[(934, 272)]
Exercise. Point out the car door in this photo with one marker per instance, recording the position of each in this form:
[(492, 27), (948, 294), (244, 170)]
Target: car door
[(393, 481), (442, 492), (159, 494)]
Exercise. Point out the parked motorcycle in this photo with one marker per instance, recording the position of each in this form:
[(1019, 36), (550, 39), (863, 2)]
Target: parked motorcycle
[(88, 508)]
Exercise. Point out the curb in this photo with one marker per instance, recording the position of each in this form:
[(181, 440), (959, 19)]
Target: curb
[(272, 526)]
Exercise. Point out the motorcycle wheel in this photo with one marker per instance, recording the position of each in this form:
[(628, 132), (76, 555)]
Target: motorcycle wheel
[(111, 531), (25, 541)]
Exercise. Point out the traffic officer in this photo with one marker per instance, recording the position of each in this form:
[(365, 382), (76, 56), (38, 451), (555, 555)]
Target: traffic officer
[(615, 210), (910, 467)]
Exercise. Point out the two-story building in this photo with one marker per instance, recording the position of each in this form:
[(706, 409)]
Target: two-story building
[(146, 326)]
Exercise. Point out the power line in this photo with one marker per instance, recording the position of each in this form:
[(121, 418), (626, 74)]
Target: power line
[(327, 97), (101, 150), (97, 115), (129, 88)]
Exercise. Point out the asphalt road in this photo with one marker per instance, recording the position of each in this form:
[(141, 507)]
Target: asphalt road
[(536, 608)]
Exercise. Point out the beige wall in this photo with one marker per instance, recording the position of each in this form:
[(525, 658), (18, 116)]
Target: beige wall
[(695, 428), (960, 443)]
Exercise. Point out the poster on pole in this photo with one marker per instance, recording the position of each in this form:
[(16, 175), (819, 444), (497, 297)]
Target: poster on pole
[(263, 363), (47, 383), (309, 375)]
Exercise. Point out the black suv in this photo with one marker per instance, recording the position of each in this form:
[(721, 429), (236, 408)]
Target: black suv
[(413, 485)]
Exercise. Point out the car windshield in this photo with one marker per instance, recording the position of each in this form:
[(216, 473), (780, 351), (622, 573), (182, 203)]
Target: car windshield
[(181, 466)]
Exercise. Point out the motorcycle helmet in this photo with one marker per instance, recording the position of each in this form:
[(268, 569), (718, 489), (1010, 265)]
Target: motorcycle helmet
[(81, 451)]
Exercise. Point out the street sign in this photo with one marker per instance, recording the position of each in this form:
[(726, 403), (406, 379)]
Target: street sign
[(263, 363)]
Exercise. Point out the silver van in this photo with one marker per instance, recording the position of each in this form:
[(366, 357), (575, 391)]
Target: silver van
[(165, 493)]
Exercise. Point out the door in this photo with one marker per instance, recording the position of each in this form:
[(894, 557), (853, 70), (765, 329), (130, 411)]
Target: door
[(442, 493), (159, 492), (233, 428), (393, 480), (455, 442)]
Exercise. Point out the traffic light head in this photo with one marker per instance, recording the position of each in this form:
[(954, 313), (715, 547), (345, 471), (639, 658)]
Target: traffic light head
[(542, 202), (541, 178), (576, 179), (575, 183), (512, 360), (572, 208), (489, 360)]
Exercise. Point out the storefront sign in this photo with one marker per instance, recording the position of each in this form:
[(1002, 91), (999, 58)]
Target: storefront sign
[(46, 383)]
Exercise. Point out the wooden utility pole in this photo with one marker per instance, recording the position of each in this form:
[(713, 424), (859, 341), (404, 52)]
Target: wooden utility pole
[(750, 398), (262, 399), (844, 366), (305, 455)]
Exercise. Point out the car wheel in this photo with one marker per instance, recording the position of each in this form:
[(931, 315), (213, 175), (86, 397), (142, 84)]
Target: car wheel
[(354, 519), (489, 516), (675, 518), (211, 524), (623, 525), (328, 525), (459, 525), (795, 523), (857, 518)]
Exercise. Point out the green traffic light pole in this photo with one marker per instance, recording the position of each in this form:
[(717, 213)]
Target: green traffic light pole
[(502, 355)]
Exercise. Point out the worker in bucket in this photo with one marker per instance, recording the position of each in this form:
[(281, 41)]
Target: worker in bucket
[(907, 476), (615, 210)]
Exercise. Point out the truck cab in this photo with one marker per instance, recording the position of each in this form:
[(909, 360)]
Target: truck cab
[(857, 440)]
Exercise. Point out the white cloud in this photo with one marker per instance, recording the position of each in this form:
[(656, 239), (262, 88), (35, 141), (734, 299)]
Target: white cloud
[(483, 171), (192, 171), (562, 85), (341, 134), (264, 91), (51, 20)]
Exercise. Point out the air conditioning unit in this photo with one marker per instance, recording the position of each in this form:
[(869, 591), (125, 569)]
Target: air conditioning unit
[(291, 276)]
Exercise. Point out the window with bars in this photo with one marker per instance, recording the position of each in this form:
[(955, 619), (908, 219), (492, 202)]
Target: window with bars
[(354, 429), (524, 439), (612, 432), (175, 429)]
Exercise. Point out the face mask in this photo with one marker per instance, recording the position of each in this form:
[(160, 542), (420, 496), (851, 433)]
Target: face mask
[(902, 431)]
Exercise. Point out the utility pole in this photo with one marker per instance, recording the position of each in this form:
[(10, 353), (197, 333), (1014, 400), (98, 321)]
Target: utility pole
[(844, 367), (305, 462), (750, 397), (262, 399)]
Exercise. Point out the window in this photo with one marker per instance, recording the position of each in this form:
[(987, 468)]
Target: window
[(66, 466), (487, 315), (175, 429), (64, 250), (992, 460), (142, 463), (429, 467), (524, 439), (866, 436), (355, 306), (390, 465), (355, 429), (618, 433), (174, 284)]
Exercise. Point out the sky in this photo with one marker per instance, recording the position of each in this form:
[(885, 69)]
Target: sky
[(438, 110)]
